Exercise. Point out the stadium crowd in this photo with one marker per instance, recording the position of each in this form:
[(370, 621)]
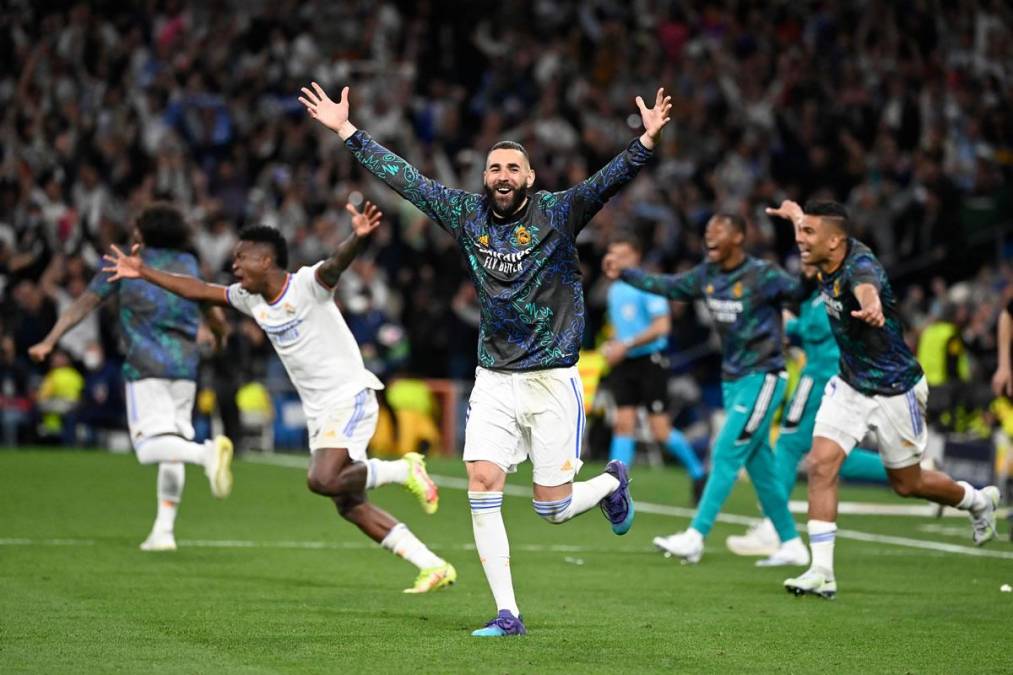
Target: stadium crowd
[(900, 110)]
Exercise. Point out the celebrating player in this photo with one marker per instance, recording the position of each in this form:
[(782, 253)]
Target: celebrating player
[(298, 314), (812, 327), (160, 332), (745, 296), (880, 387), (639, 369), (521, 253)]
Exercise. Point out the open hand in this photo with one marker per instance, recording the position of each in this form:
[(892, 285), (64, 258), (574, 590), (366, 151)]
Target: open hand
[(788, 210), (123, 266), (364, 223), (654, 118), (320, 107), (1002, 382), (872, 315)]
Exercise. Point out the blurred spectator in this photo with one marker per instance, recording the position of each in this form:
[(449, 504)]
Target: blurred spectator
[(15, 393), (59, 393), (101, 406)]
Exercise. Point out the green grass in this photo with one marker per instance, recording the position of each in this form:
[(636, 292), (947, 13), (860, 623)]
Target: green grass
[(95, 603)]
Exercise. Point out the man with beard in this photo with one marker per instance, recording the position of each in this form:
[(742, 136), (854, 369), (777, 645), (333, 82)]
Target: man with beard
[(522, 257)]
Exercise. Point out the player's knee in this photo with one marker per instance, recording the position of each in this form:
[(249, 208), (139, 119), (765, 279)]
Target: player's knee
[(347, 505), (821, 469), (322, 485), (904, 488)]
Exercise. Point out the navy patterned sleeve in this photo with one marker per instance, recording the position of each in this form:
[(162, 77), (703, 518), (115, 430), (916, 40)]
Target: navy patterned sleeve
[(684, 286), (865, 269), (101, 286), (445, 206), (785, 288), (587, 197)]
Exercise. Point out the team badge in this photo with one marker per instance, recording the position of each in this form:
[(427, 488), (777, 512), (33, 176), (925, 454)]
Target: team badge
[(522, 235), (710, 289), (737, 289), (289, 308), (484, 240), (837, 288)]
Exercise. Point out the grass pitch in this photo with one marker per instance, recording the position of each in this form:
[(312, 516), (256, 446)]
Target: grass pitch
[(271, 580)]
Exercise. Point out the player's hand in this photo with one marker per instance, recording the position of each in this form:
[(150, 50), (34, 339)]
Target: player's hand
[(40, 351), (123, 266), (613, 351), (872, 315), (320, 107), (1002, 382), (613, 265), (655, 118), (364, 223), (788, 210)]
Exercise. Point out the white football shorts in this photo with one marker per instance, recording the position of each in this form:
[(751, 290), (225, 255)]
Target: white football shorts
[(156, 407), (347, 425), (846, 415), (537, 414)]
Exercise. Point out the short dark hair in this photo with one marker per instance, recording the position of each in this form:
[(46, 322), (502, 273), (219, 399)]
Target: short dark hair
[(509, 145), (733, 219), (628, 237), (262, 234), (828, 210), (162, 225)]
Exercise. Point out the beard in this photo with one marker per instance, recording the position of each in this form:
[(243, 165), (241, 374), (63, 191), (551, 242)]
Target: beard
[(505, 205)]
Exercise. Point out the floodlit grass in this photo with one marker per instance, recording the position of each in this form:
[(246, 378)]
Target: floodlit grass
[(271, 580)]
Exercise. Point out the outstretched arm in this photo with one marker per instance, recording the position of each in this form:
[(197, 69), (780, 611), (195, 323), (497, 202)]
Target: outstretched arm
[(123, 266), (871, 311), (1002, 381), (73, 315), (684, 286), (589, 196), (443, 205), (363, 225)]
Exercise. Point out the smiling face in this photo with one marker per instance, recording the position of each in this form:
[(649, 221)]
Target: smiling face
[(818, 239), (251, 262), (723, 240), (507, 178)]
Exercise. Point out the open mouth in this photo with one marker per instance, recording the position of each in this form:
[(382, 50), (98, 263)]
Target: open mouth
[(504, 190)]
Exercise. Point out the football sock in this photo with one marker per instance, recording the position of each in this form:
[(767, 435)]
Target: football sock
[(863, 465), (171, 478), (380, 472), (623, 449), (679, 447), (493, 547), (973, 499), (585, 496), (173, 448), (403, 543), (821, 543)]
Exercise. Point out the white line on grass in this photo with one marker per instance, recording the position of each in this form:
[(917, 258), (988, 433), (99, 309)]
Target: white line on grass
[(455, 483)]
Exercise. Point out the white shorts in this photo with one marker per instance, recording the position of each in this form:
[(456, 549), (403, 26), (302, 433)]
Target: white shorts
[(846, 415), (537, 414), (156, 407), (347, 425)]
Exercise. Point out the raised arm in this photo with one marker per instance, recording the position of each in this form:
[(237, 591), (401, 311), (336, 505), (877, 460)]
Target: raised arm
[(80, 308), (588, 197), (871, 311), (1002, 381), (443, 205), (363, 225), (122, 266)]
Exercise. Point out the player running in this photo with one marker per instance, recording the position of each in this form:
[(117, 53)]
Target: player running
[(639, 368), (159, 331), (745, 296), (880, 387), (812, 328), (521, 253), (298, 314)]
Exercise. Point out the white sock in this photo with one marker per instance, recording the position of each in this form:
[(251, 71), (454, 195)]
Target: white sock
[(821, 543), (585, 495), (381, 472), (403, 543), (973, 499), (173, 448), (493, 547), (171, 478)]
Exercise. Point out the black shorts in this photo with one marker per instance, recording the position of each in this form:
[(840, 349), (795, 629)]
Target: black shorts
[(642, 380)]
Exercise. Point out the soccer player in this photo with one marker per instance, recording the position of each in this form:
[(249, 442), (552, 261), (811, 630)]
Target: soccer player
[(812, 328), (521, 253), (745, 296), (298, 314), (159, 331), (639, 368), (879, 387)]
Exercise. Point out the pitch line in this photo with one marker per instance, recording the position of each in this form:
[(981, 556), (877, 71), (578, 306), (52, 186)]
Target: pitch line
[(456, 483)]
